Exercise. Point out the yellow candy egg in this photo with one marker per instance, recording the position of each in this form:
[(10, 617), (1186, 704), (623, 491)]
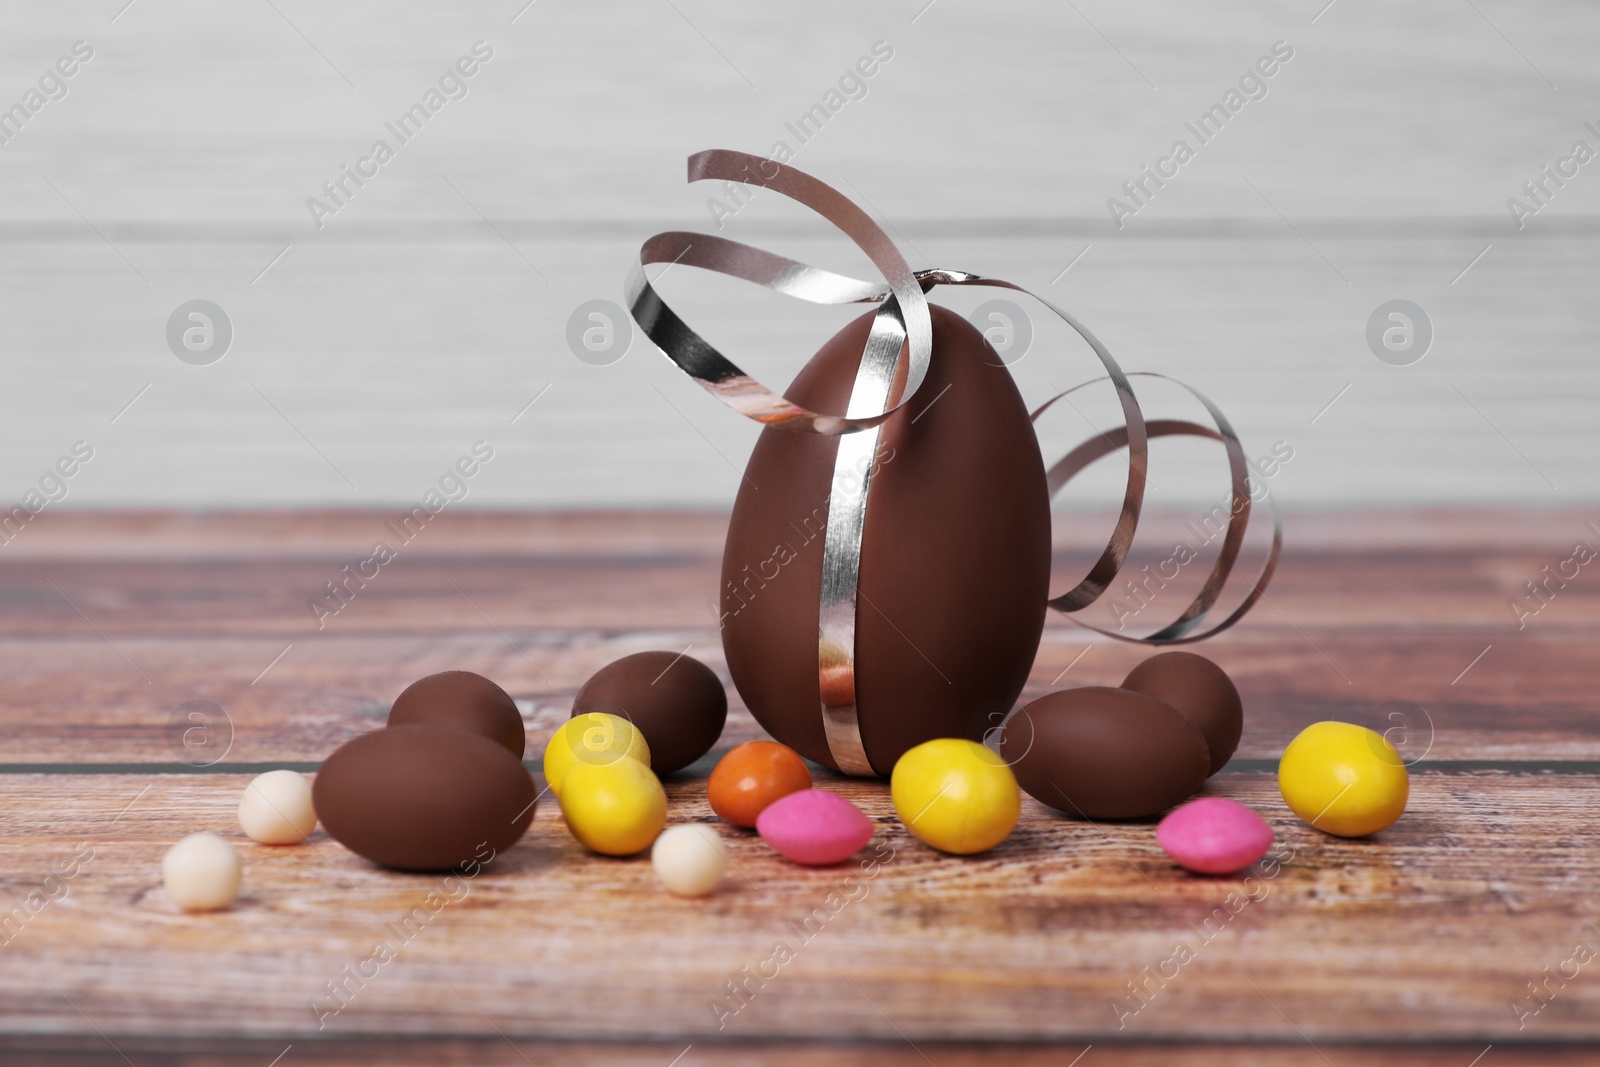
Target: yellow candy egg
[(955, 795), (1343, 779), (593, 737), (616, 808)]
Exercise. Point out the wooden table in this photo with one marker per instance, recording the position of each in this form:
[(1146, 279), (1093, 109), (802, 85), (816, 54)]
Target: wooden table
[(1425, 936)]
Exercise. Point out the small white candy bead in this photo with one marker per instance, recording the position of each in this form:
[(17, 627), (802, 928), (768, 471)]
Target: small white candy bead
[(276, 808), (201, 873), (689, 859)]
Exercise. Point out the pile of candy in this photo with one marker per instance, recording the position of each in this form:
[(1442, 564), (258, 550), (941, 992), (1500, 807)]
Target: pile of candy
[(444, 779)]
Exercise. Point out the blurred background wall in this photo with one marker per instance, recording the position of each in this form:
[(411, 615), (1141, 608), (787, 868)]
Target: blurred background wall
[(376, 339)]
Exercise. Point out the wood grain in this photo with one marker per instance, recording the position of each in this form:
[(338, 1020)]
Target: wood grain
[(114, 620), (1429, 931), (503, 1052)]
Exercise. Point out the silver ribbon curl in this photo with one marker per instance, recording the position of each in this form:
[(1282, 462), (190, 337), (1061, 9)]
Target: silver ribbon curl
[(894, 362)]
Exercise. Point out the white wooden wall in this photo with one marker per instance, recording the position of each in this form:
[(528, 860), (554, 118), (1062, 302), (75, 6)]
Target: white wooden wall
[(432, 307)]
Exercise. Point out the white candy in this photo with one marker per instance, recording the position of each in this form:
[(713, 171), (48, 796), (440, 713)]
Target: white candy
[(201, 873), (689, 859), (276, 808)]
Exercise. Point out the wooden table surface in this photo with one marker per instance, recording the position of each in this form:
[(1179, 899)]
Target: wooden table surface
[(1417, 945)]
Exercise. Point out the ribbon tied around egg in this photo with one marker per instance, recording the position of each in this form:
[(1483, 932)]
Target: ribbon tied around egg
[(893, 365)]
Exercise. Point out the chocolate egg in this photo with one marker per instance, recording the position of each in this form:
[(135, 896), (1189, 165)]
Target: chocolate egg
[(1104, 753), (466, 701), (1201, 692), (424, 797), (677, 703), (955, 556)]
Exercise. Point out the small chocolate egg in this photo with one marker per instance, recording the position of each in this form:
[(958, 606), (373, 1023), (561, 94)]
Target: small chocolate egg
[(677, 703), (424, 797), (1104, 753), (466, 701), (1201, 692)]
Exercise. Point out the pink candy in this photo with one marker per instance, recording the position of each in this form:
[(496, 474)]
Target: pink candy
[(814, 827), (1214, 835)]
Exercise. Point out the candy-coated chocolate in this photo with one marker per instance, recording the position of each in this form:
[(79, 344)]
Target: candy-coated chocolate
[(1344, 779), (276, 808), (466, 701), (814, 827), (955, 795), (1201, 692), (753, 775), (1102, 753), (615, 808), (1214, 835), (592, 737), (689, 859), (201, 873), (677, 702)]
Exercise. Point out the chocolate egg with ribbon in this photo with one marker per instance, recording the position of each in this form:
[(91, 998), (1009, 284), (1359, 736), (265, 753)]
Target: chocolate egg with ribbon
[(886, 573), (954, 567)]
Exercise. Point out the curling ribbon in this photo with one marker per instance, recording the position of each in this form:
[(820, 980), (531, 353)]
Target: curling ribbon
[(893, 364)]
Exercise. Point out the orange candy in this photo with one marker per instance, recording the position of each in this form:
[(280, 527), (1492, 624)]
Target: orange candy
[(752, 776)]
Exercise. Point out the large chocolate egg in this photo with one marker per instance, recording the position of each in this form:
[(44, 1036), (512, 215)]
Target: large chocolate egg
[(676, 702), (1104, 753), (466, 701), (423, 798), (955, 555), (1201, 691)]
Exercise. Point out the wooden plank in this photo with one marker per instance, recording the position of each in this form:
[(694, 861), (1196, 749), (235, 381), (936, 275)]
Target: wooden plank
[(77, 700), (498, 1052), (503, 1052), (1462, 591), (331, 533), (1430, 931), (115, 620)]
